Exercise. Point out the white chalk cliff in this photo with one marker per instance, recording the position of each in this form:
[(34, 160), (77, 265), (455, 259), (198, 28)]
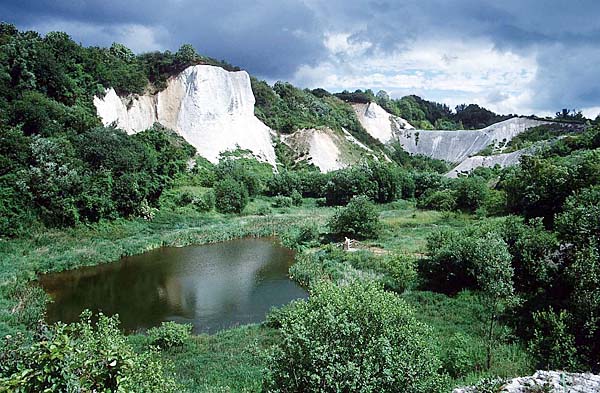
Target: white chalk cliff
[(213, 109), (457, 147), (379, 123), (327, 149)]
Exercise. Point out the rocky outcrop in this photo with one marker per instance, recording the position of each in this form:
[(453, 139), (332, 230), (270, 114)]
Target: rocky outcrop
[(504, 160), (546, 381), (327, 149), (379, 123), (213, 109), (457, 146)]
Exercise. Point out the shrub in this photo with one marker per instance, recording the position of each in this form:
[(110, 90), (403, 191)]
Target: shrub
[(296, 198), (231, 196), (304, 235), (444, 200), (402, 269), (81, 357), (359, 219), (459, 360), (169, 334), (471, 192), (552, 346), (282, 201), (353, 338)]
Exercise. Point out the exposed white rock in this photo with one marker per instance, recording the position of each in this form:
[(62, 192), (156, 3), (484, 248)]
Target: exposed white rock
[(456, 146), (213, 109), (504, 160), (378, 122), (327, 149), (548, 381)]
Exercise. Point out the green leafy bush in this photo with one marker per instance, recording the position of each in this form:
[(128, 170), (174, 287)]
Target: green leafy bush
[(303, 235), (552, 345), (359, 219), (169, 334), (444, 200), (231, 196), (296, 198), (402, 270), (353, 338), (81, 357), (282, 201)]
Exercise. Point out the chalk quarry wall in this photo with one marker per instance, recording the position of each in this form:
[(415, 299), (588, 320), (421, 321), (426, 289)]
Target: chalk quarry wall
[(213, 109)]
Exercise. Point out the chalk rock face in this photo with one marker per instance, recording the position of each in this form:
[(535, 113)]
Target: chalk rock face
[(504, 160), (457, 146), (327, 149), (548, 381), (213, 109), (379, 123)]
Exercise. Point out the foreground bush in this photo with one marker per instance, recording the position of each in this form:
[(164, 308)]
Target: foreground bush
[(169, 334), (359, 219), (353, 338), (80, 357)]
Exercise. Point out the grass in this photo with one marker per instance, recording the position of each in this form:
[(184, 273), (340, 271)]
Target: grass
[(406, 228), (234, 360)]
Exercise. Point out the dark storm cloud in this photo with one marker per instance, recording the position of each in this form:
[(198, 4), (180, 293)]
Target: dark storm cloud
[(272, 38)]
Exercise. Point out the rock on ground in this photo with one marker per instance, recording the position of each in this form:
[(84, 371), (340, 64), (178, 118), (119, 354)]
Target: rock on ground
[(547, 381)]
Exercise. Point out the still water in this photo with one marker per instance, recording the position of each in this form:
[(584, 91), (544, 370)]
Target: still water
[(213, 287)]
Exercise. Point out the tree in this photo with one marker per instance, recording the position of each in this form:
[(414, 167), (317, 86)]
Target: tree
[(186, 54), (231, 196), (494, 273), (359, 219), (355, 337)]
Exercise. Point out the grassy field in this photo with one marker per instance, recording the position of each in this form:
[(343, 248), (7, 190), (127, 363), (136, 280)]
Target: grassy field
[(234, 360)]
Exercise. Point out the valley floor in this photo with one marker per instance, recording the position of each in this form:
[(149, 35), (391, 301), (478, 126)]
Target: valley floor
[(235, 359)]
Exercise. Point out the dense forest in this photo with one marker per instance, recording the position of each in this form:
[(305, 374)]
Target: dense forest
[(493, 274)]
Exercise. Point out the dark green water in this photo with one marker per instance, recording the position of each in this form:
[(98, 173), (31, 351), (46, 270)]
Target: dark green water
[(213, 287)]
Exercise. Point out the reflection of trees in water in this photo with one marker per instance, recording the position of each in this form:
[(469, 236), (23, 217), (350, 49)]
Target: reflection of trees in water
[(209, 284)]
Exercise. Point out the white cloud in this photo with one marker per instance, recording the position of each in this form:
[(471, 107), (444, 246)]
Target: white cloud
[(450, 71)]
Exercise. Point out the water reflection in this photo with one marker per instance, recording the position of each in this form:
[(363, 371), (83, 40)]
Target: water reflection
[(213, 286)]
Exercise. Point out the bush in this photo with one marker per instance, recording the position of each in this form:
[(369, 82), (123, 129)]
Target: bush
[(282, 201), (304, 235), (552, 346), (359, 219), (471, 192), (444, 200), (353, 338), (231, 196), (402, 269), (81, 357), (296, 198), (169, 335)]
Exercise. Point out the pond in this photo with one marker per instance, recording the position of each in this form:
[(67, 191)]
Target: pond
[(213, 287)]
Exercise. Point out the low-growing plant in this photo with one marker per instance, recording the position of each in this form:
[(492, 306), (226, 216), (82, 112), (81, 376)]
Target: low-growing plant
[(296, 198), (282, 201), (169, 334), (303, 235), (402, 270)]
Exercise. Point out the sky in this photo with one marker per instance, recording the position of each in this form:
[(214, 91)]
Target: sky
[(512, 56)]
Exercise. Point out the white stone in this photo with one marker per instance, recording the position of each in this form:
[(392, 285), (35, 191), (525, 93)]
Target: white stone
[(213, 109), (504, 160), (378, 122), (555, 381)]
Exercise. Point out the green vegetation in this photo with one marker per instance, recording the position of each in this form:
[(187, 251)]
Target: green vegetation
[(441, 287), (353, 337), (84, 356)]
